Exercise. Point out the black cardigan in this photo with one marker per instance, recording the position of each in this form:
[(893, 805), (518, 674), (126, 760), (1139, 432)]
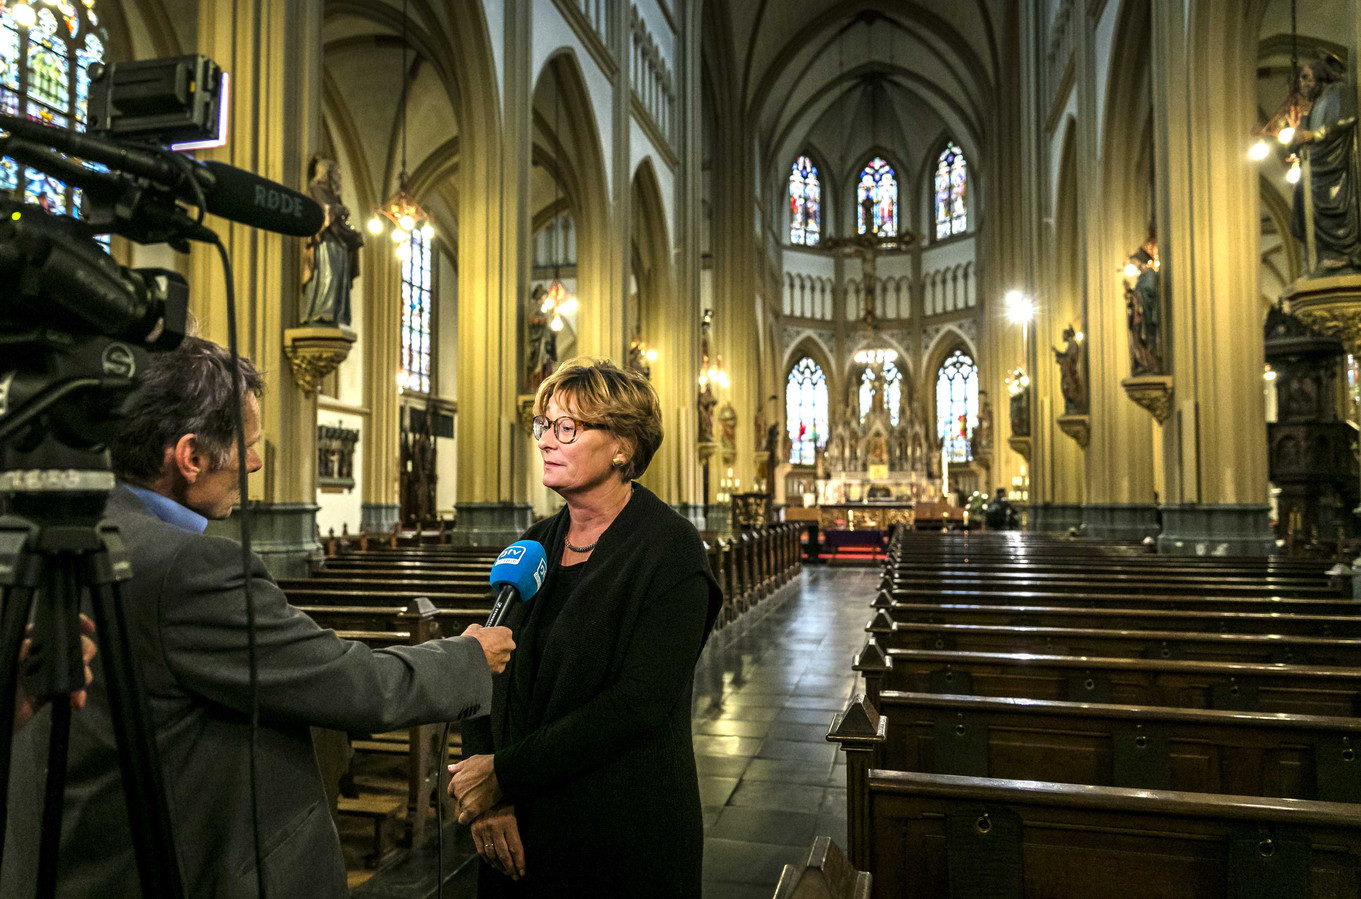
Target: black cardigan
[(595, 752)]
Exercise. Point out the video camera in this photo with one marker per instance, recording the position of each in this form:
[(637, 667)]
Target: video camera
[(76, 329)]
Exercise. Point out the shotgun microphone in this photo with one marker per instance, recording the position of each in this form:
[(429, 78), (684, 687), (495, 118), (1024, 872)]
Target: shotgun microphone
[(518, 574)]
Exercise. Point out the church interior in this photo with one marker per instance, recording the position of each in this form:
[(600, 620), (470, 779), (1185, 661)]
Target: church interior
[(881, 259)]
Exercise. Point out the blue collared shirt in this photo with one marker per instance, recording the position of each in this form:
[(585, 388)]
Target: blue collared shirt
[(167, 510)]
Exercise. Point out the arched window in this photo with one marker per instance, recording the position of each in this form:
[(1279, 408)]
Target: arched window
[(890, 381), (44, 75), (805, 407), (805, 203), (957, 405), (952, 183), (879, 185), (417, 289)]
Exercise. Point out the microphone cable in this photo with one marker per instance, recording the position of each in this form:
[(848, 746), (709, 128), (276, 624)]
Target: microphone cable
[(243, 484)]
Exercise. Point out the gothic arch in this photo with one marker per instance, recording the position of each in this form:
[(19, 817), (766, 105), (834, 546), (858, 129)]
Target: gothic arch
[(809, 345), (831, 190), (850, 182), (923, 185)]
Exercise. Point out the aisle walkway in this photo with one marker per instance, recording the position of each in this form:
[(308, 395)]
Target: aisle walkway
[(768, 778)]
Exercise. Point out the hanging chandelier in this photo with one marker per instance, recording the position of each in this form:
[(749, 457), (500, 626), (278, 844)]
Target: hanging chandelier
[(401, 212)]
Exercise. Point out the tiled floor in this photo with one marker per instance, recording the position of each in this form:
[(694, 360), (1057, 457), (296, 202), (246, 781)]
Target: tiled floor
[(768, 779), (765, 692)]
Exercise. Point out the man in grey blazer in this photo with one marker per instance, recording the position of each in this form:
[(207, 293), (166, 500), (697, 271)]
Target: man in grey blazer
[(177, 467)]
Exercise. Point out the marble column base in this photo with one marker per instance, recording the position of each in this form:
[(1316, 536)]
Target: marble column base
[(379, 518), (718, 518), (490, 524), (1120, 521), (283, 535), (1217, 530), (1055, 518), (691, 512)]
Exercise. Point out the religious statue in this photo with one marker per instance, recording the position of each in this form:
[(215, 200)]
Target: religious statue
[(853, 454), (331, 259), (878, 450), (707, 402), (1326, 135), (1072, 377), (1020, 411), (541, 357), (727, 422), (758, 432), (1143, 314), (980, 441)]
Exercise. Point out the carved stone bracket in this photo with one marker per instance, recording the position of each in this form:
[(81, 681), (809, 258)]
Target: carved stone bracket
[(706, 451), (1020, 445), (1331, 306), (1077, 426), (1152, 392), (524, 411), (314, 351)]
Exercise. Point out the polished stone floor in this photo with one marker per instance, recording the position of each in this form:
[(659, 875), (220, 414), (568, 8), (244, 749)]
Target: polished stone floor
[(769, 780), (765, 692)]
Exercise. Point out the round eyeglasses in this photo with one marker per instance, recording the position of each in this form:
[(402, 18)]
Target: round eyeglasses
[(565, 428)]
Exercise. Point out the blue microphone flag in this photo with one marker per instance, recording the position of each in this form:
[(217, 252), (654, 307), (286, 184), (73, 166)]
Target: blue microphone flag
[(522, 565)]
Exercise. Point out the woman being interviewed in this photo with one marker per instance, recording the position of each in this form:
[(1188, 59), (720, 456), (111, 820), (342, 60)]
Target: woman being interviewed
[(581, 781)]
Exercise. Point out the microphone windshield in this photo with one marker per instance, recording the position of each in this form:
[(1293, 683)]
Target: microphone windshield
[(521, 565)]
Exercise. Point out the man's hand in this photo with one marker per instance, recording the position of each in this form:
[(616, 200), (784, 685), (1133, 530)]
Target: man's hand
[(25, 706), (496, 643)]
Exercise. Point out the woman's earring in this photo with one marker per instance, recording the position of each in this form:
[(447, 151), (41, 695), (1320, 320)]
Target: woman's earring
[(618, 461)]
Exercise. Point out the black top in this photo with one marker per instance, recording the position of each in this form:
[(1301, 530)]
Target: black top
[(592, 738)]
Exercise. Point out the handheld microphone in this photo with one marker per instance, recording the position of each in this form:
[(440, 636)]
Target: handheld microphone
[(232, 193), (518, 573)]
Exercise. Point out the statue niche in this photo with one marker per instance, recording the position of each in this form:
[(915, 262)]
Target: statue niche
[(1072, 364), (1143, 312)]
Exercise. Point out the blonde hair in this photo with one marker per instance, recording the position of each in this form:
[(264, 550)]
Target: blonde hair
[(620, 400)]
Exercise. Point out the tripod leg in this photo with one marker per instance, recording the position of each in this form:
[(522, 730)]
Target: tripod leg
[(48, 854), (138, 756), (13, 617)]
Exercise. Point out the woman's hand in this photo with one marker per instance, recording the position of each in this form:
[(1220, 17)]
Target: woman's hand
[(497, 834), (474, 786)]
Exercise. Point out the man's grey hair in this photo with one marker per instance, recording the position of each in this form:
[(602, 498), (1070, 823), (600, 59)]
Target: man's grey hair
[(185, 391)]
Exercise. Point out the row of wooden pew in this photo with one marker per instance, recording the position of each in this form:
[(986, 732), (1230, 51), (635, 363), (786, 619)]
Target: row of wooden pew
[(1052, 718), (389, 594)]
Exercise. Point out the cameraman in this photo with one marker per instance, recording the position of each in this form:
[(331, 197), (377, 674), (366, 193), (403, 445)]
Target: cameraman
[(186, 608)]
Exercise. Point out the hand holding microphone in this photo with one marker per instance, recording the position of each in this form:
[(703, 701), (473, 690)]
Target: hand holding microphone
[(518, 573)]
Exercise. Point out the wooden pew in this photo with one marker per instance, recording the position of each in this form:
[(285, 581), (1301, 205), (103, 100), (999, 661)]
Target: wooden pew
[(1149, 747), (1292, 689), (1147, 618), (930, 834), (1187, 601), (1147, 644)]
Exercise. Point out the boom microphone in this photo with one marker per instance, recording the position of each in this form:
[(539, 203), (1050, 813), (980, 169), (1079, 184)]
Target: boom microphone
[(234, 194), (518, 573)]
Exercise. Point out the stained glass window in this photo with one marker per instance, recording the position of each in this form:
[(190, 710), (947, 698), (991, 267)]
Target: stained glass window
[(805, 203), (957, 405), (893, 391), (417, 291), (879, 185), (952, 184), (44, 74), (805, 406)]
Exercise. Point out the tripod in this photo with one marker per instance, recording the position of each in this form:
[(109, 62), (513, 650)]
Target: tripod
[(55, 550)]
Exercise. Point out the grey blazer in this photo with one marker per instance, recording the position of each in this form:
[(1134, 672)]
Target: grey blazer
[(187, 622)]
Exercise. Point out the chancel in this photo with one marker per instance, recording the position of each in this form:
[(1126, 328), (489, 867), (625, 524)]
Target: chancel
[(1007, 360)]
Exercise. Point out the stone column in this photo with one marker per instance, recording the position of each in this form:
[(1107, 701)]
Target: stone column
[(493, 264), (272, 51), (381, 509), (1214, 452), (1119, 471)]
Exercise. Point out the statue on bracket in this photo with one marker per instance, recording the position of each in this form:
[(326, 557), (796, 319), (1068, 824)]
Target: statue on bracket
[(1326, 134), (727, 422), (331, 260), (1143, 312), (542, 356), (706, 404), (1072, 372)]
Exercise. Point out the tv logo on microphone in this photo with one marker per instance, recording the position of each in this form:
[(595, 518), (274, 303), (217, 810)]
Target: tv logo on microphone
[(540, 572), (512, 555), (276, 201)]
